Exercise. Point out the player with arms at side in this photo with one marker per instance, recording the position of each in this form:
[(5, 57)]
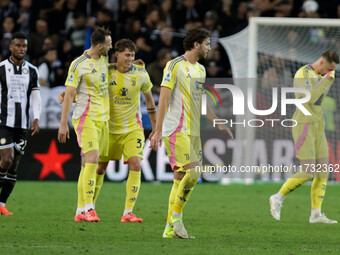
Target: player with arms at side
[(88, 78), (311, 146), (19, 82), (127, 80), (178, 121)]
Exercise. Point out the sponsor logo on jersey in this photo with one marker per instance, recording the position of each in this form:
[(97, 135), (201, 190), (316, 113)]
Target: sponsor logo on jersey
[(24, 71), (123, 92)]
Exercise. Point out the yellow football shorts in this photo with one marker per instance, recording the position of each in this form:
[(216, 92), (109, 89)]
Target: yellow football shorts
[(182, 149), (310, 140), (129, 144), (92, 135)]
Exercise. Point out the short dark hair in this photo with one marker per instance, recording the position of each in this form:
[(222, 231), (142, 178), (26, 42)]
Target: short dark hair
[(123, 44), (331, 56), (195, 35), (19, 36), (99, 35)]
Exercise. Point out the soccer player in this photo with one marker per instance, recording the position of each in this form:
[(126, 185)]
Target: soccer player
[(126, 137), (311, 146), (18, 81), (88, 78), (178, 121)]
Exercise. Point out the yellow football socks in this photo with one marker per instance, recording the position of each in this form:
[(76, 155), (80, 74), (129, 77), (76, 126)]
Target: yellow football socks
[(294, 181), (99, 184), (89, 182), (172, 198), (132, 189), (185, 188), (81, 202), (318, 191)]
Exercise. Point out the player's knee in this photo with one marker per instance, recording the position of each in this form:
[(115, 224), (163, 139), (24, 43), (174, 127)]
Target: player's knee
[(7, 160), (134, 164)]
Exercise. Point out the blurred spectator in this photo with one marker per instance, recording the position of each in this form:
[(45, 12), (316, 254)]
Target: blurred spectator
[(6, 36), (75, 38), (277, 75), (241, 16), (8, 8), (24, 22), (51, 72), (226, 20), (211, 23), (36, 40), (149, 36), (166, 40), (132, 29), (63, 15), (155, 69), (131, 10), (213, 70), (186, 13), (167, 13)]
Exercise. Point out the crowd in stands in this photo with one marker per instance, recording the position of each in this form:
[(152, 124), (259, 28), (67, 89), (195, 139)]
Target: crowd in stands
[(59, 30)]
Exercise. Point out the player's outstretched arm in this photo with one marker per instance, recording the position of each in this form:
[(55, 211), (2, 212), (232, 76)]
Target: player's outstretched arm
[(211, 116), (63, 131), (164, 100)]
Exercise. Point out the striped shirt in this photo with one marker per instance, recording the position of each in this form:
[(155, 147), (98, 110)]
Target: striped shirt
[(17, 83)]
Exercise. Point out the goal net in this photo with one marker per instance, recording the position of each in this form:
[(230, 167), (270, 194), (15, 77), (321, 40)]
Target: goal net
[(266, 55)]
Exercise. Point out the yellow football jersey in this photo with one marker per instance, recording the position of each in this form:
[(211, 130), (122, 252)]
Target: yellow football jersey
[(184, 111), (90, 77), (318, 86), (125, 88)]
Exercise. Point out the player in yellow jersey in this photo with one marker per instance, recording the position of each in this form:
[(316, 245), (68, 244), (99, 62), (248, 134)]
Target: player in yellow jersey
[(311, 146), (88, 78), (178, 121), (126, 131)]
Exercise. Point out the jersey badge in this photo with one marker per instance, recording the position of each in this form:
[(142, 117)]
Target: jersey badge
[(167, 77)]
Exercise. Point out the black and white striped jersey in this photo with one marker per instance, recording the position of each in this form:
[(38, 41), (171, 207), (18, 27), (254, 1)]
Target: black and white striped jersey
[(16, 85)]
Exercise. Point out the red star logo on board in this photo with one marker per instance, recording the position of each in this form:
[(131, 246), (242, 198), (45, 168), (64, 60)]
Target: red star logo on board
[(52, 161)]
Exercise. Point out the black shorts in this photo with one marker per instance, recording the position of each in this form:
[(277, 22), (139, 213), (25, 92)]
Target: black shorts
[(16, 137)]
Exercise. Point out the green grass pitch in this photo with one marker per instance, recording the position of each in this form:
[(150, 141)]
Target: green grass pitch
[(231, 219)]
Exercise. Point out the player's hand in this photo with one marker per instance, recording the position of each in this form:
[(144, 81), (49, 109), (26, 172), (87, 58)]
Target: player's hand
[(139, 62), (35, 127), (224, 128), (61, 97), (151, 134), (63, 133), (155, 140)]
